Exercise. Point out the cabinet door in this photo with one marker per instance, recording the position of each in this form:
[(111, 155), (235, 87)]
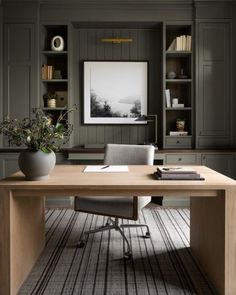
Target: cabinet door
[(9, 164), (213, 85), (223, 163), (19, 68), (184, 159)]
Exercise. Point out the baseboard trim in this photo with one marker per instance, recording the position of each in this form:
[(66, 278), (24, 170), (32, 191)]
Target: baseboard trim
[(66, 202), (176, 202)]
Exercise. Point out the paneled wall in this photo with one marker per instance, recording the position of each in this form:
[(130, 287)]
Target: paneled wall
[(146, 45), (1, 65), (234, 66)]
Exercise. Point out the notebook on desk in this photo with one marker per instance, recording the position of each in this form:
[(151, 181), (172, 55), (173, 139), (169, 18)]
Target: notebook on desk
[(106, 168)]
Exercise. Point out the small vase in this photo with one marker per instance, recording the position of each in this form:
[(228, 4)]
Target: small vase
[(36, 165), (51, 103), (180, 125)]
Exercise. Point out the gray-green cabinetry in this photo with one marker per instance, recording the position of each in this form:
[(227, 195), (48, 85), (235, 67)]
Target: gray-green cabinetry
[(178, 77), (8, 164), (213, 94), (223, 163), (183, 159), (179, 159), (19, 66)]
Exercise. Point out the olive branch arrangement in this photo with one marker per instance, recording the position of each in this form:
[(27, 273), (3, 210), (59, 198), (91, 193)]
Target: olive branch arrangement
[(38, 132)]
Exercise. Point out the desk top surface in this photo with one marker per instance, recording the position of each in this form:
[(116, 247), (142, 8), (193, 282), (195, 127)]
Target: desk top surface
[(138, 177)]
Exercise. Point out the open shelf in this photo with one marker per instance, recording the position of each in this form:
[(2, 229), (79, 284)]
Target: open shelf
[(55, 71), (178, 73)]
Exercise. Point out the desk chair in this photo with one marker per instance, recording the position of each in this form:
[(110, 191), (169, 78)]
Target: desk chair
[(118, 207)]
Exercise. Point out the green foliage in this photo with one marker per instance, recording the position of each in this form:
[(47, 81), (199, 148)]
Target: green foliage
[(38, 133)]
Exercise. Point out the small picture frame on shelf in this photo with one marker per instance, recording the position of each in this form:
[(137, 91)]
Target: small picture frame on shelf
[(61, 99), (57, 74)]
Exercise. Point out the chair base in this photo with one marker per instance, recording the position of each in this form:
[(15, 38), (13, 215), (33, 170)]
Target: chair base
[(114, 224)]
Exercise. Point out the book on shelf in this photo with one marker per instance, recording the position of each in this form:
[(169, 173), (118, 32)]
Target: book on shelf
[(167, 94), (47, 72), (189, 43), (181, 43), (172, 46), (178, 133)]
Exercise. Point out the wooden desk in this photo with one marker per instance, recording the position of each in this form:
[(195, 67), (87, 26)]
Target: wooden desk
[(212, 230)]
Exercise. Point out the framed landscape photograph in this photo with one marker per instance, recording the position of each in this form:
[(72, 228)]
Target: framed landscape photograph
[(115, 92)]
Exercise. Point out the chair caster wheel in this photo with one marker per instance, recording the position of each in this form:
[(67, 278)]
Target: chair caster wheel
[(127, 255), (81, 244), (147, 236)]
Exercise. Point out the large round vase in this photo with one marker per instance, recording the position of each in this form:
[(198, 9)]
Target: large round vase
[(36, 165)]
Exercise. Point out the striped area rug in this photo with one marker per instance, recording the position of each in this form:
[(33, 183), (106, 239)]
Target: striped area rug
[(160, 265)]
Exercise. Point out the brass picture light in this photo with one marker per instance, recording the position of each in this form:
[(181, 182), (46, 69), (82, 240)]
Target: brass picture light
[(117, 40)]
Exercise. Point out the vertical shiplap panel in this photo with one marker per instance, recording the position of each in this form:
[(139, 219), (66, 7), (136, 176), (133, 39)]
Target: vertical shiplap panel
[(100, 55), (83, 52), (133, 55), (155, 80), (124, 55), (76, 85), (133, 49), (142, 55), (133, 129), (92, 46), (149, 135), (108, 56), (117, 55), (145, 46)]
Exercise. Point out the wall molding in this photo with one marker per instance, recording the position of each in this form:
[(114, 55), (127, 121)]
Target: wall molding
[(1, 68)]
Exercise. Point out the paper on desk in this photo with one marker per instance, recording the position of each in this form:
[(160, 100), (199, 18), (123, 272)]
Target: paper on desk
[(105, 168)]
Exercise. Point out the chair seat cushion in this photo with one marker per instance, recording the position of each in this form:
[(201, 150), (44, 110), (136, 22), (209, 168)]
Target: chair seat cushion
[(110, 206)]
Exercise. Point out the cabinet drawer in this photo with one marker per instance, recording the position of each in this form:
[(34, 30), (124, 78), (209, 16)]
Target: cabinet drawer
[(181, 159), (179, 141)]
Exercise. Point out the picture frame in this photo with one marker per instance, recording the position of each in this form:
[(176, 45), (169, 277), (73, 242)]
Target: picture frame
[(61, 99), (115, 92)]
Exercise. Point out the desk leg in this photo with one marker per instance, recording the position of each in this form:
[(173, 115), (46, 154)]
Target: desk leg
[(213, 239), (21, 240)]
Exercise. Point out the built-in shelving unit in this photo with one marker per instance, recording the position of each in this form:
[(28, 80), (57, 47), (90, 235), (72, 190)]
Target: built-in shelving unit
[(178, 81), (55, 71)]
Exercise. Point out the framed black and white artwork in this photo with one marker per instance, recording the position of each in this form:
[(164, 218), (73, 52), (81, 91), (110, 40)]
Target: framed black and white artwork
[(115, 92)]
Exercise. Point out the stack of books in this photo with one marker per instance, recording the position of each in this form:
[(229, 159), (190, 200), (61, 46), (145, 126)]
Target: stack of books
[(178, 133), (181, 43), (47, 72), (177, 173)]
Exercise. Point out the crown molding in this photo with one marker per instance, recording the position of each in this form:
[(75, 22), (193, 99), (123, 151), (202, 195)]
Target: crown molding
[(99, 2), (121, 2)]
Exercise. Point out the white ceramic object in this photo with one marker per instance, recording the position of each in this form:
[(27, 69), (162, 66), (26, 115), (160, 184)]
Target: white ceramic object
[(171, 75), (51, 103), (57, 43), (175, 101)]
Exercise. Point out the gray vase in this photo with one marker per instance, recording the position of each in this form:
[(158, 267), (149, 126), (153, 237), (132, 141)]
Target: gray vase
[(36, 165)]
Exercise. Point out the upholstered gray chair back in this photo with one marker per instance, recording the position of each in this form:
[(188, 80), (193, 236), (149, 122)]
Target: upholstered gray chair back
[(126, 154)]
